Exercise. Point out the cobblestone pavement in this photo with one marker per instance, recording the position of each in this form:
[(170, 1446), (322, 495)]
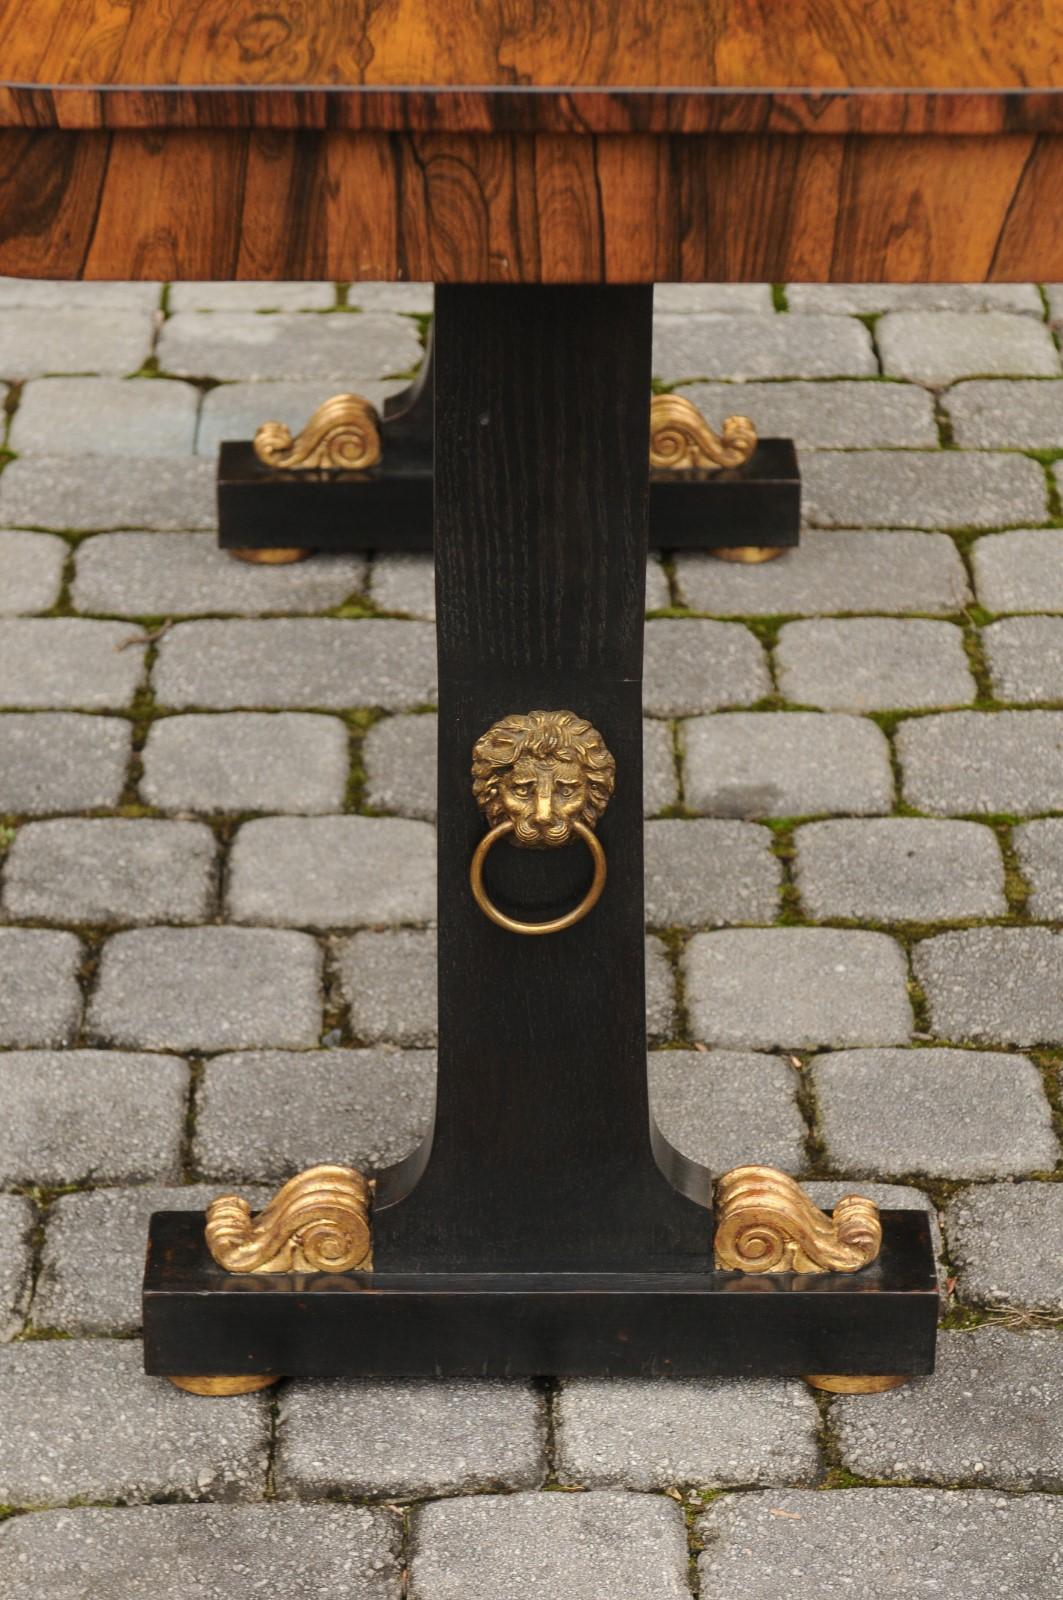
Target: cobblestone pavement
[(216, 837)]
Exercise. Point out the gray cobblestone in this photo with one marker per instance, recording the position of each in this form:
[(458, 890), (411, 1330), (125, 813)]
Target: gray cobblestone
[(873, 663), (920, 489), (409, 1438), (760, 347), (762, 988), (668, 1431), (721, 299), (338, 349), (899, 869), (76, 1115), (105, 417), (983, 762), (17, 1221), (1039, 847), (882, 1541), (246, 761), (332, 872), (207, 989), (266, 1115), (40, 1000), (84, 493), (185, 574), (62, 762), (1021, 570), (92, 1264), (606, 1544), (39, 340), (724, 1108), (785, 764), (48, 662), (110, 870), (31, 572), (941, 1113), (825, 415), (298, 662), (691, 666), (997, 985), (936, 347), (703, 873), (157, 1441), (863, 299), (214, 1552), (659, 784), (897, 570), (1054, 292), (252, 296), (236, 410), (1025, 656), (1004, 1240), (991, 1414), (55, 294), (990, 414)]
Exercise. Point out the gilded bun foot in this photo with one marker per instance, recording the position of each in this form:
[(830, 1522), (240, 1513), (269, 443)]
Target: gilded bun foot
[(832, 1383), (216, 1388), (281, 557), (749, 555)]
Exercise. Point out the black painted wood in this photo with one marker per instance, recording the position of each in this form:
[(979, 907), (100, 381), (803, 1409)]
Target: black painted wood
[(199, 1320)]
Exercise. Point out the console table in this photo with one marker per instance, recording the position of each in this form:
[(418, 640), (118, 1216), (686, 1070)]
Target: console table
[(543, 167)]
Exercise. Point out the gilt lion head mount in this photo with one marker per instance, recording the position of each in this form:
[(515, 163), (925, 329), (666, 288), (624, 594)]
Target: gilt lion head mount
[(542, 772)]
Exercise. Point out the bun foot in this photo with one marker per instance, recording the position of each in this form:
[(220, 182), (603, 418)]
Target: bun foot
[(250, 1383), (282, 557), (834, 1384)]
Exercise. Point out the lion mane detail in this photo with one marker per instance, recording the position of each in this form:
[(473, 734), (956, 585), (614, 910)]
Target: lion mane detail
[(559, 736)]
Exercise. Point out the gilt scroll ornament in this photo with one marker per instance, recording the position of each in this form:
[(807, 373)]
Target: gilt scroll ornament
[(766, 1223), (343, 432), (318, 1222), (680, 437)]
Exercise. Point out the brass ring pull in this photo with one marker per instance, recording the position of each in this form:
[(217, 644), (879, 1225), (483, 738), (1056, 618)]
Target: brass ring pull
[(557, 924)]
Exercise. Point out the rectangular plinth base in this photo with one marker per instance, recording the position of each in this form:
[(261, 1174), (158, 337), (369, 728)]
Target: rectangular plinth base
[(202, 1321)]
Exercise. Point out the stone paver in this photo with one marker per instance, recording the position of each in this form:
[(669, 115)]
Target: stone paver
[(246, 761), (989, 414), (214, 1552), (332, 872), (40, 998), (862, 299), (311, 662), (51, 662), (17, 1221), (85, 493), (92, 1263), (62, 762), (760, 988), (268, 1114), (1039, 847), (607, 1544), (994, 985), (79, 1115), (991, 1414), (1021, 570), (892, 571), (1025, 656), (409, 1438), (873, 664), (704, 873), (693, 666), (720, 298), (909, 1544), (899, 869), (110, 870), (920, 489), (936, 347), (824, 415), (185, 574), (157, 1440), (983, 762), (725, 1108), (105, 417), (252, 296), (207, 989), (236, 410), (31, 572), (53, 294), (339, 349), (662, 1432), (1004, 1240), (741, 347), (943, 1113), (785, 764), (37, 340)]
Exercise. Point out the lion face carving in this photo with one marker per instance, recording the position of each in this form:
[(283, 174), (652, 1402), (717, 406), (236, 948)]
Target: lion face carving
[(542, 772)]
